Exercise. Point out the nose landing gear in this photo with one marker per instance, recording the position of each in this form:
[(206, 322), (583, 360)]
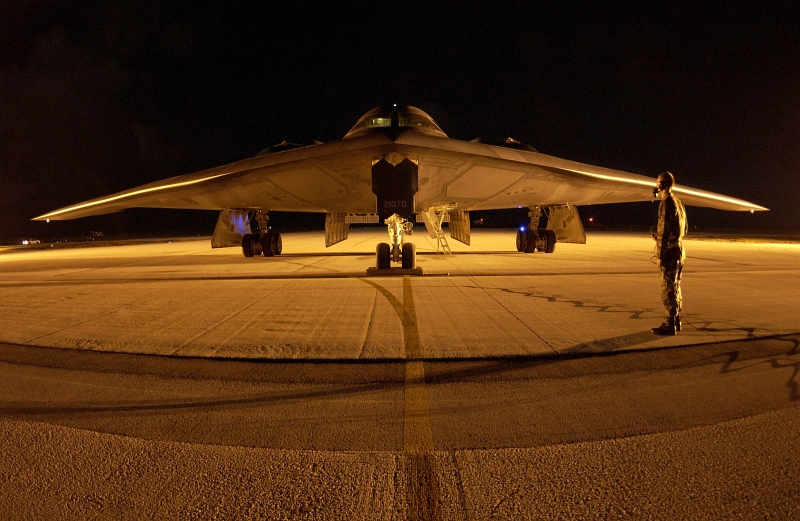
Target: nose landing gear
[(398, 251)]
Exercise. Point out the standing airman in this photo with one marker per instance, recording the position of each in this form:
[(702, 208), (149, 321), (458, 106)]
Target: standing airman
[(672, 226)]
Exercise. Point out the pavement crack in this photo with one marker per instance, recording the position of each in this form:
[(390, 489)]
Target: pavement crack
[(223, 320), (636, 314), (545, 342), (101, 315)]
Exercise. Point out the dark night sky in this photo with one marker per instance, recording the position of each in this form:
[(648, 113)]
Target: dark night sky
[(96, 97)]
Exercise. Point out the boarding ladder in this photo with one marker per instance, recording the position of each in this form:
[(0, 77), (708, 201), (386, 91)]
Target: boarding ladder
[(433, 219)]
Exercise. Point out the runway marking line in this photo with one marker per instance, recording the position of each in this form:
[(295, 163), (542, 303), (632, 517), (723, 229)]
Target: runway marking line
[(417, 432), (422, 491)]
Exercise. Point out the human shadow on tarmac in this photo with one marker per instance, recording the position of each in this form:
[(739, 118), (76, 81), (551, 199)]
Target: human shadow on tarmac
[(610, 344)]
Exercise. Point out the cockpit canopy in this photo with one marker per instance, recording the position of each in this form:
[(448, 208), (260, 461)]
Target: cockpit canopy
[(398, 117)]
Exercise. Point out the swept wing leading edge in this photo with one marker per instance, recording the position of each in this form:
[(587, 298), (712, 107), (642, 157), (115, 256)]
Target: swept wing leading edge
[(336, 177)]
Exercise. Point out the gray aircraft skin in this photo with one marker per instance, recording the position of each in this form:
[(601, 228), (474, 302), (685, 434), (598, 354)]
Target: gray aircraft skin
[(395, 161)]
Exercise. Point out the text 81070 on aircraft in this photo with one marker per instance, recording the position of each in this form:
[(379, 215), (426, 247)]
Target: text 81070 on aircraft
[(394, 163)]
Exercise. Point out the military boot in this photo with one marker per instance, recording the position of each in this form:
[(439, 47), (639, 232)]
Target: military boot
[(667, 328), (678, 322)]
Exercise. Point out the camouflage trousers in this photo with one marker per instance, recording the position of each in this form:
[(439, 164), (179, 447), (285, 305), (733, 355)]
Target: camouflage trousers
[(671, 288)]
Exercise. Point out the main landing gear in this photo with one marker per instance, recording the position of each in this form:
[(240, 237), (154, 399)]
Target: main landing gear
[(529, 241), (261, 241), (404, 253), (532, 238), (269, 244)]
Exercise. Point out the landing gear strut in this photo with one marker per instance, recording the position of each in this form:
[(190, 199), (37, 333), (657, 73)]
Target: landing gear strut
[(397, 251)]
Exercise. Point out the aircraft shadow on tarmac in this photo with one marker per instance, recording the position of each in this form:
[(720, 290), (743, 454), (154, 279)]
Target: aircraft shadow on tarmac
[(792, 384), (706, 328), (360, 376), (309, 404)]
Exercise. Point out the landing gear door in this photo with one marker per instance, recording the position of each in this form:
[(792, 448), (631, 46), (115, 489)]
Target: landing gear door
[(566, 223), (459, 226), (336, 228), (395, 187), (231, 227)]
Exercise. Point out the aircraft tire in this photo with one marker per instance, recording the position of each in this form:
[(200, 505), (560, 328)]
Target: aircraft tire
[(550, 237), (522, 241), (266, 244), (530, 241), (382, 253), (247, 244), (409, 256), (277, 244)]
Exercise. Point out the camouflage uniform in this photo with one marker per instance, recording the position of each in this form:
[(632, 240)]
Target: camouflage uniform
[(672, 226)]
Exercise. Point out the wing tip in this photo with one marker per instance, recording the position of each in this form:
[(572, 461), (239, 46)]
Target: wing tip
[(55, 215)]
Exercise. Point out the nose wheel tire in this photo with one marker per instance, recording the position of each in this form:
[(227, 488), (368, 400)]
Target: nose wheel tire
[(382, 256), (409, 256)]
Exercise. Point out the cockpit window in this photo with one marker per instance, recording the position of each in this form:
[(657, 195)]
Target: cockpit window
[(376, 122), (409, 119), (375, 118), (396, 117)]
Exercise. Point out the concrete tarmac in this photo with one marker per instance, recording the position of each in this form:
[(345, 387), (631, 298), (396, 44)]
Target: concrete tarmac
[(174, 381)]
